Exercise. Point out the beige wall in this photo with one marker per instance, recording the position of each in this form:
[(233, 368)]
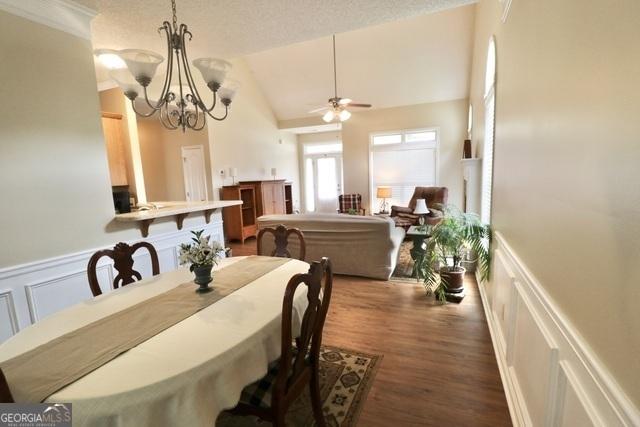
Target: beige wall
[(566, 193), (161, 153), (54, 178), (451, 119), (250, 140)]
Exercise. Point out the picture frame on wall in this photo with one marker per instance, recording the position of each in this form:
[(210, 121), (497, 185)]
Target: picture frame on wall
[(506, 5)]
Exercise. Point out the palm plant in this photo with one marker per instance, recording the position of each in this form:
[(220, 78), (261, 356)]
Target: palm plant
[(453, 239)]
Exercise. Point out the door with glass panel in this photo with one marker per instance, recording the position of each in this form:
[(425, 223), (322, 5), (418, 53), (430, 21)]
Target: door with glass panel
[(323, 178)]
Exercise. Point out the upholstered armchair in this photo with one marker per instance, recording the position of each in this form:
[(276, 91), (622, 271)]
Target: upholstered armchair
[(434, 196), (350, 203)]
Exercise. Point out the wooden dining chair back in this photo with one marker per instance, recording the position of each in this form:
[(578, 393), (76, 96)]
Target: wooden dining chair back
[(299, 363), (281, 241), (5, 393), (122, 255)]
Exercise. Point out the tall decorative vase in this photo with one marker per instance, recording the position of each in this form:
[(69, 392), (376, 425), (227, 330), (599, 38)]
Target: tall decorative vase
[(203, 278)]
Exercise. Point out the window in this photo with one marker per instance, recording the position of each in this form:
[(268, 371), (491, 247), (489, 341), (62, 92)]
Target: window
[(403, 160), (489, 134)]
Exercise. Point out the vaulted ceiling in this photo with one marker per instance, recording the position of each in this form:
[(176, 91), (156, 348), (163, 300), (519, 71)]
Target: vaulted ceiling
[(411, 61)]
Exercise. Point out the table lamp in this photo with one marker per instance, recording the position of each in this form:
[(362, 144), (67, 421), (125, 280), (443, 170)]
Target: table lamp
[(421, 209), (384, 193)]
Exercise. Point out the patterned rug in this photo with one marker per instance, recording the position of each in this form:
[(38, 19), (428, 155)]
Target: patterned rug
[(404, 267), (345, 379)]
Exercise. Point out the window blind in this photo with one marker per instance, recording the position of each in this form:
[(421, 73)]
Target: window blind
[(487, 158)]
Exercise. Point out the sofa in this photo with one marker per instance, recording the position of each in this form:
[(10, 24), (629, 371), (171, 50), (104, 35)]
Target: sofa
[(366, 246), (434, 196)]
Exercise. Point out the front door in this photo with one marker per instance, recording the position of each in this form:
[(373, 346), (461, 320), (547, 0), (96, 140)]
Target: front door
[(195, 176), (327, 182)]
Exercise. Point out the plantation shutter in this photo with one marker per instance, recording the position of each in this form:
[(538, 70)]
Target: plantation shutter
[(487, 158)]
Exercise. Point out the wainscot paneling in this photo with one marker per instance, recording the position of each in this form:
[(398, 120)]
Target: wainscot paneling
[(30, 292), (551, 376)]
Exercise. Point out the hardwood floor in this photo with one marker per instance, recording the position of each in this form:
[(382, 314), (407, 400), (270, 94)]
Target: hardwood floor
[(439, 367)]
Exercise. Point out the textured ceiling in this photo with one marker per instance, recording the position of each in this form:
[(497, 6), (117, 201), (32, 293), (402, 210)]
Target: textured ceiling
[(411, 61), (230, 28)]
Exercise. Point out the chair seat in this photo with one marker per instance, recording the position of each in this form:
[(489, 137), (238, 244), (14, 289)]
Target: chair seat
[(259, 393)]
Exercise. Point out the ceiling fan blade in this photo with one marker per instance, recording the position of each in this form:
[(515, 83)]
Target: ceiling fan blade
[(355, 104), (345, 101), (317, 110)]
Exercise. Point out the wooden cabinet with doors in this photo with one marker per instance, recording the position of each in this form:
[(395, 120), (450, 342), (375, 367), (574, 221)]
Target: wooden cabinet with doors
[(239, 221), (114, 140), (288, 198), (270, 196)]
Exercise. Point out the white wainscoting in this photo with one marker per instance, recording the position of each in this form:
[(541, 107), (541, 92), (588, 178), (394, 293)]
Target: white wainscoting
[(29, 292), (550, 375)]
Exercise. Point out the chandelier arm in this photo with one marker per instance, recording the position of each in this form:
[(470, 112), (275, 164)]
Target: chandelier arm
[(226, 113), (197, 117), (165, 118), (141, 114), (168, 74), (204, 123), (190, 80)]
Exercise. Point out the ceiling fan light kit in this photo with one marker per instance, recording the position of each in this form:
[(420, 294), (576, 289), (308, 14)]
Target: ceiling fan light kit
[(336, 106), (179, 106)]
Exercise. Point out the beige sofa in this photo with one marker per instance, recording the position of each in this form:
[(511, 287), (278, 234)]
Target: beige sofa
[(357, 245)]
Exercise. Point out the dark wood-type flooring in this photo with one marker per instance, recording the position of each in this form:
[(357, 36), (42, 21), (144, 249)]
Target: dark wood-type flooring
[(439, 367)]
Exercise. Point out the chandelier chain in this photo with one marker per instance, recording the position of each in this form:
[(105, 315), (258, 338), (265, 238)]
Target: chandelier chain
[(175, 16)]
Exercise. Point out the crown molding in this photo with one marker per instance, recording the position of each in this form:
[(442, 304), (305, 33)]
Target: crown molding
[(63, 15)]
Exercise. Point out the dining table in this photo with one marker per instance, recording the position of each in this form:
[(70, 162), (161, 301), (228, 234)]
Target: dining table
[(184, 375)]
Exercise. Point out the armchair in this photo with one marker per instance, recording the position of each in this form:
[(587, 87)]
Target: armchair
[(404, 216), (350, 203)]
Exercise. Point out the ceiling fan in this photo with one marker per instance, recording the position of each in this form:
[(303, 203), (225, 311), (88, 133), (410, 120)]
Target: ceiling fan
[(337, 107)]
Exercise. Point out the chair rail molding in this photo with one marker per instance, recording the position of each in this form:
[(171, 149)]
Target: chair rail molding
[(63, 15), (29, 292), (551, 376)]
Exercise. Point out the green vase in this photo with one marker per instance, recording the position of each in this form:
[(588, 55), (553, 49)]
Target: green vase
[(203, 278)]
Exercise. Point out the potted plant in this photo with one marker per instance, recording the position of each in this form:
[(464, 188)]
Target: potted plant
[(202, 254), (450, 242)]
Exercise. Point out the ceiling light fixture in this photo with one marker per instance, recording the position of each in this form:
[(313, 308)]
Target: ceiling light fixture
[(337, 106), (180, 106)]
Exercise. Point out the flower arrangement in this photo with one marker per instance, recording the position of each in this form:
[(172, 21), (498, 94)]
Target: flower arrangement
[(202, 252)]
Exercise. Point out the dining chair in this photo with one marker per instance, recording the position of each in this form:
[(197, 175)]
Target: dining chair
[(5, 393), (281, 240), (299, 363), (122, 255)]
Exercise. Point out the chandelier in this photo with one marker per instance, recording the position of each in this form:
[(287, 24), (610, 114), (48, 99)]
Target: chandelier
[(179, 106)]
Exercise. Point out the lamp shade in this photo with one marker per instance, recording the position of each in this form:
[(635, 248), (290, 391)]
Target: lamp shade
[(384, 193), (233, 172), (229, 89), (213, 70), (141, 63), (127, 83), (421, 207)]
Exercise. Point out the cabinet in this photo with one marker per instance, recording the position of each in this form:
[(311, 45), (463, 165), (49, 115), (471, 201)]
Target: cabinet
[(239, 221), (114, 140), (270, 196), (288, 198)]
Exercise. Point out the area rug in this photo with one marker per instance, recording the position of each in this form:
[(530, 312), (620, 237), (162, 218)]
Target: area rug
[(345, 379), (404, 267)]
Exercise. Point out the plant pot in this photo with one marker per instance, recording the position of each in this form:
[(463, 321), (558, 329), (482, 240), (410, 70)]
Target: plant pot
[(453, 279), (203, 278)]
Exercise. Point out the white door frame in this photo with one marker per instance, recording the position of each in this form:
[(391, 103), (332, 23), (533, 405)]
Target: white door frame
[(204, 169)]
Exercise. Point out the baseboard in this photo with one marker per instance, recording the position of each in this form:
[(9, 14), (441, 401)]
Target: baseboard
[(549, 373), (31, 291)]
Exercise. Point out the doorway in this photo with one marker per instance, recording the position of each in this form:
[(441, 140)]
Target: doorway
[(323, 184), (195, 176)]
